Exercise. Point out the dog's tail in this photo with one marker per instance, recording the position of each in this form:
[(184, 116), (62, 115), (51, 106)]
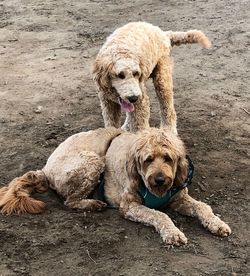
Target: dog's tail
[(15, 198), (192, 36)]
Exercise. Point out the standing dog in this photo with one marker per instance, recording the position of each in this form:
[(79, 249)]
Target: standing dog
[(129, 57)]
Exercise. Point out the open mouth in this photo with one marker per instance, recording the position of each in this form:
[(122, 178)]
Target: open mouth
[(126, 106)]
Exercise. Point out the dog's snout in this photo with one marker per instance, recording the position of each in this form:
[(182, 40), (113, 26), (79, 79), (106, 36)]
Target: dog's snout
[(159, 179), (132, 99)]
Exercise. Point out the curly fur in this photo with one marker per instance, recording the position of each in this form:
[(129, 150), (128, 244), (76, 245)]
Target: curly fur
[(133, 158), (75, 166), (15, 198), (73, 170), (128, 58)]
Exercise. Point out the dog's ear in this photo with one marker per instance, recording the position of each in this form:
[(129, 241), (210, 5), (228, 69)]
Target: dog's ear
[(182, 171), (101, 71), (174, 141), (133, 165)]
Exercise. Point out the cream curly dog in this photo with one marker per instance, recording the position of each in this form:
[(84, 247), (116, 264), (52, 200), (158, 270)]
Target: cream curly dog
[(129, 57), (72, 170), (154, 159)]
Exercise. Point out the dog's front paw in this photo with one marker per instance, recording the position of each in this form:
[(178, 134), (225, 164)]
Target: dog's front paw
[(218, 227), (173, 236)]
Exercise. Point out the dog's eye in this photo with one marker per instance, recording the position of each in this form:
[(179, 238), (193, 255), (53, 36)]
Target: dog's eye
[(149, 159), (121, 75), (136, 74), (167, 158)]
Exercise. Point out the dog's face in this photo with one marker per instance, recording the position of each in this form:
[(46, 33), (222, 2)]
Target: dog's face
[(157, 167), (122, 77), (159, 159), (125, 79)]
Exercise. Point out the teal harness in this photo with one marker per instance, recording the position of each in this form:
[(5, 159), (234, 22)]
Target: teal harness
[(150, 200)]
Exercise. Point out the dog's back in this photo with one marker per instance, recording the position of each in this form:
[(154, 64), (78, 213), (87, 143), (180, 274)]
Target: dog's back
[(77, 159)]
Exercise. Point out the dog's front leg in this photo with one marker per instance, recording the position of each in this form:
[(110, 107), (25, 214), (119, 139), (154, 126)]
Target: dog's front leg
[(111, 112), (139, 119), (163, 83), (134, 211), (186, 205)]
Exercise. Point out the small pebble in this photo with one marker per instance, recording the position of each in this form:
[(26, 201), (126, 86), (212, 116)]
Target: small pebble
[(38, 109)]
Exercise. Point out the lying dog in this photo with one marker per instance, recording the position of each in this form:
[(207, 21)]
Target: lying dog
[(151, 162), (72, 170), (155, 159), (129, 57)]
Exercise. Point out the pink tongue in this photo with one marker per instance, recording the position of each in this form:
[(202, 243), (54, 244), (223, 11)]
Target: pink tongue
[(127, 107)]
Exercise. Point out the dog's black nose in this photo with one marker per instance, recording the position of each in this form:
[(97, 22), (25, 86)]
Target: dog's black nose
[(159, 179), (133, 99)]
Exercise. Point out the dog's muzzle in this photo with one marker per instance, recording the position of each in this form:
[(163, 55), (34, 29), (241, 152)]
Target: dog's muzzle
[(132, 99), (159, 179)]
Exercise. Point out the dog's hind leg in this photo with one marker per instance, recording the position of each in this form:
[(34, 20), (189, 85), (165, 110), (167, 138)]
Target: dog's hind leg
[(82, 181), (162, 79), (75, 202), (186, 205)]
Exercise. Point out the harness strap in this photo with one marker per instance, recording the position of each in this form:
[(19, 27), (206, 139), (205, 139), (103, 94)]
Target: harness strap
[(150, 200)]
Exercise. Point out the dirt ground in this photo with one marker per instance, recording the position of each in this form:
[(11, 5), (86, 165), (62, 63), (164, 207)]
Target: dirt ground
[(47, 48)]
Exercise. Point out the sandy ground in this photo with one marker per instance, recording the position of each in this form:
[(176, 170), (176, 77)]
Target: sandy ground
[(47, 48)]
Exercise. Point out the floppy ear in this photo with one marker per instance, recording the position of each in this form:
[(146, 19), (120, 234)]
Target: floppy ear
[(182, 171), (179, 149), (101, 71), (133, 160), (131, 166)]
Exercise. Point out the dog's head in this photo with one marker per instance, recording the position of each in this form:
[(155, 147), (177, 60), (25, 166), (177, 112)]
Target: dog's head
[(121, 77), (158, 158)]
